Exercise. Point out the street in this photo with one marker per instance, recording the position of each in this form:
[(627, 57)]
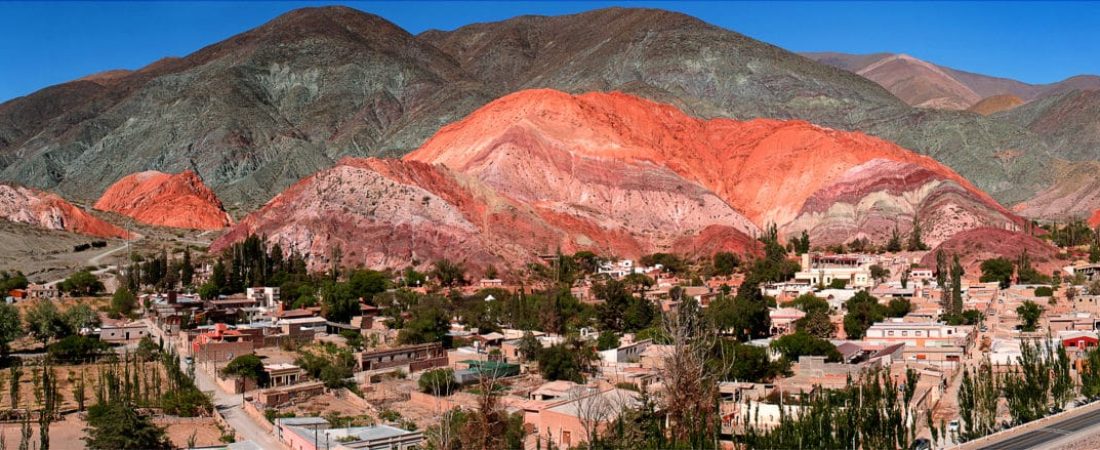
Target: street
[(228, 404), (1049, 433)]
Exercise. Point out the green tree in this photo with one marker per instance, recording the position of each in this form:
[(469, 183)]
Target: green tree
[(809, 302), (116, 426), (1029, 313), (438, 382), (82, 283), (999, 270), (894, 244), (915, 243), (45, 322), (957, 273), (750, 363), (338, 303), (567, 361), (793, 346), (863, 311), (608, 340), (78, 349), (430, 323), (725, 263), (879, 273), (247, 366), (187, 269), (898, 307), (123, 303), (448, 273), (365, 284), (11, 327), (816, 323)]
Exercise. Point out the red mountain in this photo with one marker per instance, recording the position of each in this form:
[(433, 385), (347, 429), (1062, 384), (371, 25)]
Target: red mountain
[(42, 209), (540, 170), (156, 198)]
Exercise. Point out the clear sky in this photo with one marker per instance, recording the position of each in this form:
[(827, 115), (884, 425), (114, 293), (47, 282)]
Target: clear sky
[(44, 43)]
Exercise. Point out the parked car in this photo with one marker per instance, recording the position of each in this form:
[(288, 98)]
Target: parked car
[(953, 426), (921, 444)]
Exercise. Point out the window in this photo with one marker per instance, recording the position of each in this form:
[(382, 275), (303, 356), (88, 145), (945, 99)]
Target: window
[(916, 333), (904, 333), (890, 333)]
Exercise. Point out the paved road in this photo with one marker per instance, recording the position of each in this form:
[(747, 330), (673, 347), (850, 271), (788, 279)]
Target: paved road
[(228, 404), (1049, 433)]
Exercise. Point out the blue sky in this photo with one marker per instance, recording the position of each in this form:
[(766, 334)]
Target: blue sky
[(45, 43)]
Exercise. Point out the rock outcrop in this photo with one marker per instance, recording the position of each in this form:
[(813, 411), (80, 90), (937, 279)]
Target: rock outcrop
[(42, 209), (1094, 220), (167, 200), (540, 170), (996, 104)]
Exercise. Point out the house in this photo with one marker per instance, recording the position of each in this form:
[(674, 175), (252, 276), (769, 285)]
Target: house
[(821, 269), (314, 435), (1079, 341), (123, 332), (283, 374), (626, 353), (916, 333), (37, 291), (278, 396), (264, 297), (563, 423), (783, 319), (553, 390), (409, 358), (220, 344)]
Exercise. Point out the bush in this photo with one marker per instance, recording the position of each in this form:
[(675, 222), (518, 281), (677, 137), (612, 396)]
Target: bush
[(77, 349), (438, 382), (1044, 291)]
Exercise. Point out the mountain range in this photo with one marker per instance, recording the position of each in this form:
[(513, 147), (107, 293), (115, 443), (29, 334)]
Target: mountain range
[(260, 110), (541, 170), (316, 93)]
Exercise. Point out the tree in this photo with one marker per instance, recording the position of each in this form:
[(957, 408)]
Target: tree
[(794, 346), (725, 263), (750, 363), (608, 340), (82, 283), (809, 302), (529, 346), (879, 273), (116, 426), (429, 324), (11, 327), (567, 361), (863, 310), (941, 269), (999, 270), (44, 322), (894, 244), (248, 367), (915, 243), (438, 382), (816, 323), (621, 311), (78, 349), (338, 303), (80, 317), (957, 273), (1026, 274), (448, 273), (898, 307), (123, 303), (187, 270), (1029, 313), (365, 284)]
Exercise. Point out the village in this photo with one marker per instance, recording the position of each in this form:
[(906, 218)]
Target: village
[(286, 370)]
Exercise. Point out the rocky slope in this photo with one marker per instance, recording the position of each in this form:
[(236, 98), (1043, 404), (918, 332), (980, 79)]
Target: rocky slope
[(1069, 121), (168, 200), (619, 175), (45, 210), (996, 104), (1075, 195), (979, 244), (913, 80), (258, 111), (1094, 221)]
